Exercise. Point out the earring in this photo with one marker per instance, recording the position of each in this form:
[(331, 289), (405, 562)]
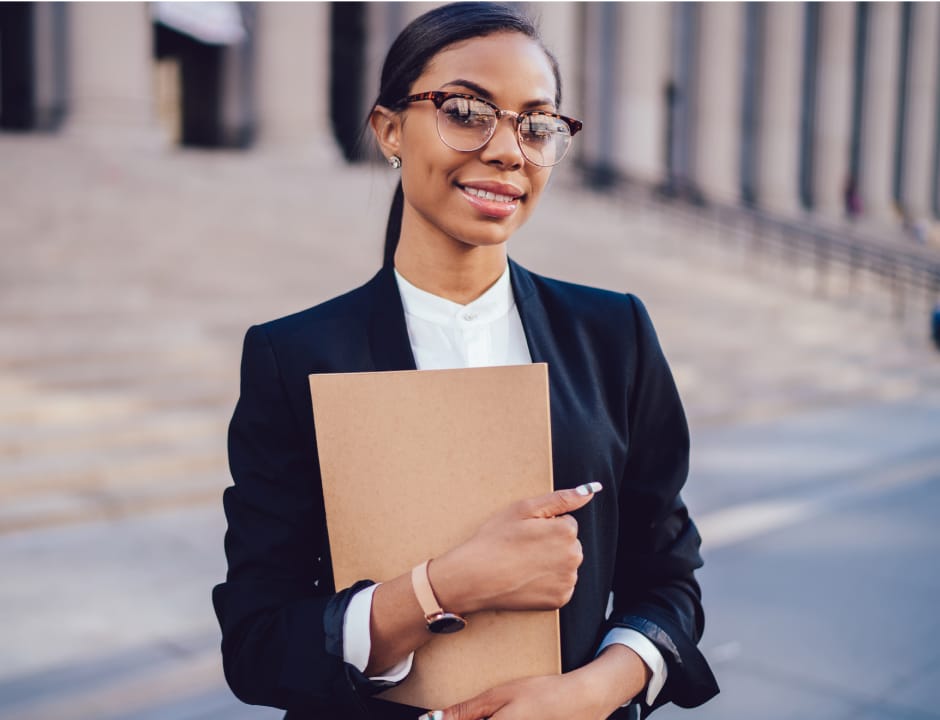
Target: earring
[(395, 162)]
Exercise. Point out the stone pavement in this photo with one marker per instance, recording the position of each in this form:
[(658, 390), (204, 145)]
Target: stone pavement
[(821, 571), (129, 277)]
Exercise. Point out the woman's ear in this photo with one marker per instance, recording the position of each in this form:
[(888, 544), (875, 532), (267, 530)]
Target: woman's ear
[(387, 128)]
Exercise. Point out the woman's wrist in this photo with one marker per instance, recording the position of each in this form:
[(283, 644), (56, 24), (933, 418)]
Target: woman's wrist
[(612, 679), (451, 586)]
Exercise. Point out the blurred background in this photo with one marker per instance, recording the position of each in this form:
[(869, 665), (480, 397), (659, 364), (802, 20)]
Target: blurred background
[(765, 176)]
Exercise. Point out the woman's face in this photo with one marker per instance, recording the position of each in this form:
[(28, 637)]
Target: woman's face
[(442, 186)]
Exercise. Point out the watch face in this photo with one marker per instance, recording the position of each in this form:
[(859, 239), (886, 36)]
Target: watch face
[(445, 623)]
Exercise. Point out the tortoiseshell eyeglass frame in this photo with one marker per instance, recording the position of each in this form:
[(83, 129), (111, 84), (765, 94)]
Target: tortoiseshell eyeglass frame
[(438, 97)]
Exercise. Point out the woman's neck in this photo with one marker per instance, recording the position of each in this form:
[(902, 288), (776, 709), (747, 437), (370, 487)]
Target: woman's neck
[(447, 267)]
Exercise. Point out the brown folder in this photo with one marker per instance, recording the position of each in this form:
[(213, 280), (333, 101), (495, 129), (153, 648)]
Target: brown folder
[(412, 463)]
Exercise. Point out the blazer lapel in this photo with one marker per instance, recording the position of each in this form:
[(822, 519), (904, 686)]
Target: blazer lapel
[(543, 347), (388, 333), (535, 322)]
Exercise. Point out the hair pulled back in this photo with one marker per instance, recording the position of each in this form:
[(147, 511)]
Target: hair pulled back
[(424, 38)]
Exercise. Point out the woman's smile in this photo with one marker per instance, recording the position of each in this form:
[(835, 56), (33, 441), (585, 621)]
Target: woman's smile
[(493, 199)]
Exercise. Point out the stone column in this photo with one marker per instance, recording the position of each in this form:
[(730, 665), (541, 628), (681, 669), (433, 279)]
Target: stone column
[(383, 23), (778, 154), (558, 23), (716, 164), (411, 10), (50, 64), (833, 123), (921, 131), (880, 100), (111, 75), (596, 146), (645, 41), (292, 80)]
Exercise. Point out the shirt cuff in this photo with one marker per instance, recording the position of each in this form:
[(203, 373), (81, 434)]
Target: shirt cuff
[(648, 653), (357, 638)]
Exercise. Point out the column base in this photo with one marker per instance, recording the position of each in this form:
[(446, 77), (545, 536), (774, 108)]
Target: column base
[(321, 150), (924, 231), (785, 206), (125, 123), (103, 136)]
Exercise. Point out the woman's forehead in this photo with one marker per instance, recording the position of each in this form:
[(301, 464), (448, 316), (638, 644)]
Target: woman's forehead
[(508, 65)]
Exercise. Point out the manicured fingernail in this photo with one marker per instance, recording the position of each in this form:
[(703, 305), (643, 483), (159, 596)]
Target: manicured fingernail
[(586, 489), (433, 715)]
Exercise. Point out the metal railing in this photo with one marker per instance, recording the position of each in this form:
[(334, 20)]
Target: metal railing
[(908, 272)]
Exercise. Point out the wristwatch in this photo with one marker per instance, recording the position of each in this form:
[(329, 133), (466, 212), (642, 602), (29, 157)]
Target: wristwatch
[(439, 621)]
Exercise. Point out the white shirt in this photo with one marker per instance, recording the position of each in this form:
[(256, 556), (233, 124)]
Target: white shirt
[(445, 334)]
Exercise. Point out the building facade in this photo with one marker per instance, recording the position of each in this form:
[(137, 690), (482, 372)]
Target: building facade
[(817, 110)]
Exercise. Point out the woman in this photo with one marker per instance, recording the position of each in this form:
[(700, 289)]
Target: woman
[(468, 112)]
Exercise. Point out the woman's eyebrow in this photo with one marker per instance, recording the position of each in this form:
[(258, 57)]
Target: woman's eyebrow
[(470, 85), (486, 95)]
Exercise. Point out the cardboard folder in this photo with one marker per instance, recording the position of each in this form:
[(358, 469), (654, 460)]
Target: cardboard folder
[(412, 463)]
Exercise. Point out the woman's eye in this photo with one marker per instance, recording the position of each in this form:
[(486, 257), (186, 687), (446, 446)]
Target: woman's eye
[(468, 118), (539, 132), (465, 112)]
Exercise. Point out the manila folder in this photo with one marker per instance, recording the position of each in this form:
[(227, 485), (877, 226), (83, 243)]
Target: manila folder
[(412, 463)]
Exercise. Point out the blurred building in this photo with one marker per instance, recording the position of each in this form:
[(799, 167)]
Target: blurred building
[(818, 110)]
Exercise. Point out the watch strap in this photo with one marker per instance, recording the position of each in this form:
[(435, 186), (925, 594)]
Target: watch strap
[(423, 591)]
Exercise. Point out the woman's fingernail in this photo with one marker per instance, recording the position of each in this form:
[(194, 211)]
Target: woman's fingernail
[(586, 489), (433, 715)]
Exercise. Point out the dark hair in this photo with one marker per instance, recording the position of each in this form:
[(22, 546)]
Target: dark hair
[(424, 38)]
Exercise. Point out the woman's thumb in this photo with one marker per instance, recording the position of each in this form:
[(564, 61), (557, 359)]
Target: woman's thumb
[(559, 502), (478, 708)]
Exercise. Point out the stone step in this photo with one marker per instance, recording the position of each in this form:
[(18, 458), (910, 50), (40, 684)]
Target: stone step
[(25, 404), (119, 468), (107, 374), (28, 353), (73, 504), (109, 431), (162, 682), (27, 472), (30, 405)]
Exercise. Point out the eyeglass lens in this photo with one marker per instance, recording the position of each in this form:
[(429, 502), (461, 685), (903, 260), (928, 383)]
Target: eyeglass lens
[(467, 125)]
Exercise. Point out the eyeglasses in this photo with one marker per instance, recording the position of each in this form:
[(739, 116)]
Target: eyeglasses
[(467, 123)]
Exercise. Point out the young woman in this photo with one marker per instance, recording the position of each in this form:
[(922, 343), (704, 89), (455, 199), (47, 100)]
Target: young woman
[(468, 112)]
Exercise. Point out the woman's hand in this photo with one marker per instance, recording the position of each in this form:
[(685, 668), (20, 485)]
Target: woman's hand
[(545, 697), (592, 692), (523, 558)]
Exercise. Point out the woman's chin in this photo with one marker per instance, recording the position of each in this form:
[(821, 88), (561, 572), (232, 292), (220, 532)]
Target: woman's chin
[(485, 240)]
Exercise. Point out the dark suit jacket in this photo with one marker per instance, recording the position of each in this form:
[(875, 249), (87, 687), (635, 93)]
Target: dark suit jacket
[(616, 418)]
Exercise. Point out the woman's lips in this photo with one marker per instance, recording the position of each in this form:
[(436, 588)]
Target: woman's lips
[(492, 200)]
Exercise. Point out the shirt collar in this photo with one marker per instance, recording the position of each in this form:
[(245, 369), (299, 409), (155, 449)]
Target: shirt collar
[(493, 304)]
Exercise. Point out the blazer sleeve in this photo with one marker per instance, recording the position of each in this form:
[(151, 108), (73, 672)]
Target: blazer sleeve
[(655, 591), (280, 617)]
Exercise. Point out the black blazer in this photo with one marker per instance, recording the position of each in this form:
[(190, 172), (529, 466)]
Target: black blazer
[(616, 418)]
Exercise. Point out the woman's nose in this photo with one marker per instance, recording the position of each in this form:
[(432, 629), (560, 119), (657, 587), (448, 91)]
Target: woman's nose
[(503, 148)]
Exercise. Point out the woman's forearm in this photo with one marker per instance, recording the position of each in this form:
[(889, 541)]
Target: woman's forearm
[(397, 625), (592, 692)]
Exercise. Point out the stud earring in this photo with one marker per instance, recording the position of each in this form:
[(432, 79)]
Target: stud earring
[(395, 162)]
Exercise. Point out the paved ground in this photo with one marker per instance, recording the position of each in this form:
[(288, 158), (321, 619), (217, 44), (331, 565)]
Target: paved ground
[(128, 279)]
